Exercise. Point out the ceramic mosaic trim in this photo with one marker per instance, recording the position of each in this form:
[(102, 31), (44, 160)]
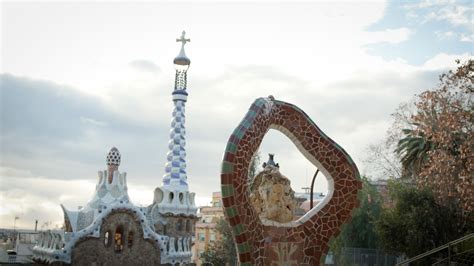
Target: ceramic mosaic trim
[(300, 242)]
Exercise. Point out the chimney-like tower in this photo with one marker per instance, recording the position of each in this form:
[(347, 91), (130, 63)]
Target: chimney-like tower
[(175, 177)]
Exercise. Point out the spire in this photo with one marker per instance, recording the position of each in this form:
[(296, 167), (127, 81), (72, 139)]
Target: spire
[(182, 59), (175, 169)]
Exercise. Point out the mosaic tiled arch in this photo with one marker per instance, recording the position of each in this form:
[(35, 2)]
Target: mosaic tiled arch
[(304, 241)]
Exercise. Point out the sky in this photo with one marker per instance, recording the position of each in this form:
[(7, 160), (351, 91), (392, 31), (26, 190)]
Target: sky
[(78, 78)]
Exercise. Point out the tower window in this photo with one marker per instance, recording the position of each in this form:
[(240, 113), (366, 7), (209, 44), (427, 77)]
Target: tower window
[(181, 198), (171, 196), (179, 225), (188, 226), (130, 239), (119, 239), (107, 239)]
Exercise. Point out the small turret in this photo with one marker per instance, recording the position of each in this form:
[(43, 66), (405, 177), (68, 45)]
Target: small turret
[(113, 162)]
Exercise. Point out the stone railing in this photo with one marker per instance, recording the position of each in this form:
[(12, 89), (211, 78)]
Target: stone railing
[(175, 202), (50, 245), (178, 250)]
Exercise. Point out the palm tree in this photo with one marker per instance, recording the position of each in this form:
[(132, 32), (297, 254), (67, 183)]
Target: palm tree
[(413, 150)]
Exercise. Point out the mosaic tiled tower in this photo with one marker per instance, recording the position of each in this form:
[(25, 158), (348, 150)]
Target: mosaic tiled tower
[(111, 230), (175, 170), (173, 211)]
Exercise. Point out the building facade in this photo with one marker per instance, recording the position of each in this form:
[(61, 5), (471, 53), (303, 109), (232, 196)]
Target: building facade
[(206, 232), (111, 230)]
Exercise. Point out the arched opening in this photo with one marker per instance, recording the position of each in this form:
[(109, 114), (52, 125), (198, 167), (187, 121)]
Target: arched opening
[(171, 197), (179, 225), (107, 239), (293, 165), (176, 244), (188, 226), (181, 198), (118, 239), (130, 239)]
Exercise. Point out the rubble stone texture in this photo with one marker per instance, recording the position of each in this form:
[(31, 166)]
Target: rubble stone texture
[(98, 251), (300, 242), (272, 197)]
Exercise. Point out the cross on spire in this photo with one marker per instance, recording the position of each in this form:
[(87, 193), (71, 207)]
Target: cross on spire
[(183, 40)]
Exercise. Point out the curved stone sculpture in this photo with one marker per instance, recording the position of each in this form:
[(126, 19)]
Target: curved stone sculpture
[(301, 242)]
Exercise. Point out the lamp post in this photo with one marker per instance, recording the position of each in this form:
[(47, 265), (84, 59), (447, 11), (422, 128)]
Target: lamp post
[(14, 222), (312, 188)]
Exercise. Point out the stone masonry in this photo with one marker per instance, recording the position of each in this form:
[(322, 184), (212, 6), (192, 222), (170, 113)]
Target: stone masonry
[(135, 249)]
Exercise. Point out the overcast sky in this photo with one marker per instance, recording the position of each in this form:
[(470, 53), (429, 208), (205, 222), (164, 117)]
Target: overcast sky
[(78, 78)]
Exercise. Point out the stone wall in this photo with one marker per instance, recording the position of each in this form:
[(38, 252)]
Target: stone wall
[(133, 249)]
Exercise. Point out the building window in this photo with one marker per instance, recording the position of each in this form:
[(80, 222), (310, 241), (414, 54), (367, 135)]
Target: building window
[(171, 196), (119, 239), (202, 237), (130, 239), (181, 198), (107, 239), (188, 226), (212, 237), (179, 225), (164, 229)]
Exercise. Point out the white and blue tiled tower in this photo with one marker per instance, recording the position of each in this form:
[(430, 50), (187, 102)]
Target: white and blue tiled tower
[(164, 229), (173, 211), (175, 169)]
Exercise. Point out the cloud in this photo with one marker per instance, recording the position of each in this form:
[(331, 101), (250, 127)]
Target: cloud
[(442, 60), (61, 135), (435, 27), (456, 14), (145, 65), (50, 129), (467, 37), (392, 36), (37, 198)]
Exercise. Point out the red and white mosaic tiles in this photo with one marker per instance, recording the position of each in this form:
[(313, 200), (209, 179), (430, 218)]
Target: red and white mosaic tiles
[(304, 241)]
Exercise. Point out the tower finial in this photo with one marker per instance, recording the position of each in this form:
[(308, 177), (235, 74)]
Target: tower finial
[(183, 40), (182, 59)]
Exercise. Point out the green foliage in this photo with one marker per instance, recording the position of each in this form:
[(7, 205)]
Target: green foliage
[(360, 231), (413, 150), (213, 256), (417, 223), (222, 251), (436, 150)]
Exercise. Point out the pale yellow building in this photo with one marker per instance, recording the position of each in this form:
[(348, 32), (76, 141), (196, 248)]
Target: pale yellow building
[(205, 232)]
